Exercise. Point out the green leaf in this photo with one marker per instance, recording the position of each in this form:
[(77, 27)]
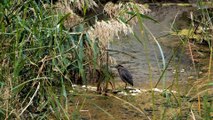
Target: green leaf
[(143, 16), (63, 18), (122, 19)]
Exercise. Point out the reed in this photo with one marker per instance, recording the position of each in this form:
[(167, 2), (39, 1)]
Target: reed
[(48, 47)]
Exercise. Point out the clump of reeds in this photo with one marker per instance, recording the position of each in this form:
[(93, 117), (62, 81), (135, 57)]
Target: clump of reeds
[(45, 48)]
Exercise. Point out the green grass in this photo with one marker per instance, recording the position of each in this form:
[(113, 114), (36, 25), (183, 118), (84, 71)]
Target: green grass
[(203, 18), (37, 49)]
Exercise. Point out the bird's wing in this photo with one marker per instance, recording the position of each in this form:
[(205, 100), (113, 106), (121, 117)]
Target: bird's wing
[(125, 74)]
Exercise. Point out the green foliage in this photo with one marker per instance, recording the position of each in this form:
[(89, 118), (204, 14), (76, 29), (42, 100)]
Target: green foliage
[(207, 107), (142, 16), (36, 50)]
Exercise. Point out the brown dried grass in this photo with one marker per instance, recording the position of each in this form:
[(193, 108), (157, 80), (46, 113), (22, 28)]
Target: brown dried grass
[(106, 30), (73, 18), (121, 9)]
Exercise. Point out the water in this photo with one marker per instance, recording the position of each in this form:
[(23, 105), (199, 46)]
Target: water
[(146, 63)]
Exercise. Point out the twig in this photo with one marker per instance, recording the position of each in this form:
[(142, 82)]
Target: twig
[(118, 51), (193, 115), (31, 99)]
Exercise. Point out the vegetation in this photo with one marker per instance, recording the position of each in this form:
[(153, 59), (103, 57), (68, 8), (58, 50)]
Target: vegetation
[(48, 47)]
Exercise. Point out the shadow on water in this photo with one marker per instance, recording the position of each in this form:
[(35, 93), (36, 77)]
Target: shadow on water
[(146, 64)]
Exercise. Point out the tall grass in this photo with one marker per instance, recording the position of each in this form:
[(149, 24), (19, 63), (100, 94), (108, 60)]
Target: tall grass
[(36, 50), (201, 18), (205, 22), (41, 58)]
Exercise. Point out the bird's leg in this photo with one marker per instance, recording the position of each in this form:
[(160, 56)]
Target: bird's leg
[(112, 85), (125, 85)]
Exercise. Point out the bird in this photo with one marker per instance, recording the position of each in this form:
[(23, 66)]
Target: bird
[(124, 74)]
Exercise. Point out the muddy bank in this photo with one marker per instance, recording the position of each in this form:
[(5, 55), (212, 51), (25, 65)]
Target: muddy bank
[(145, 106)]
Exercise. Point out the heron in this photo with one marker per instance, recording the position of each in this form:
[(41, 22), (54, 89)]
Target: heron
[(125, 75)]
